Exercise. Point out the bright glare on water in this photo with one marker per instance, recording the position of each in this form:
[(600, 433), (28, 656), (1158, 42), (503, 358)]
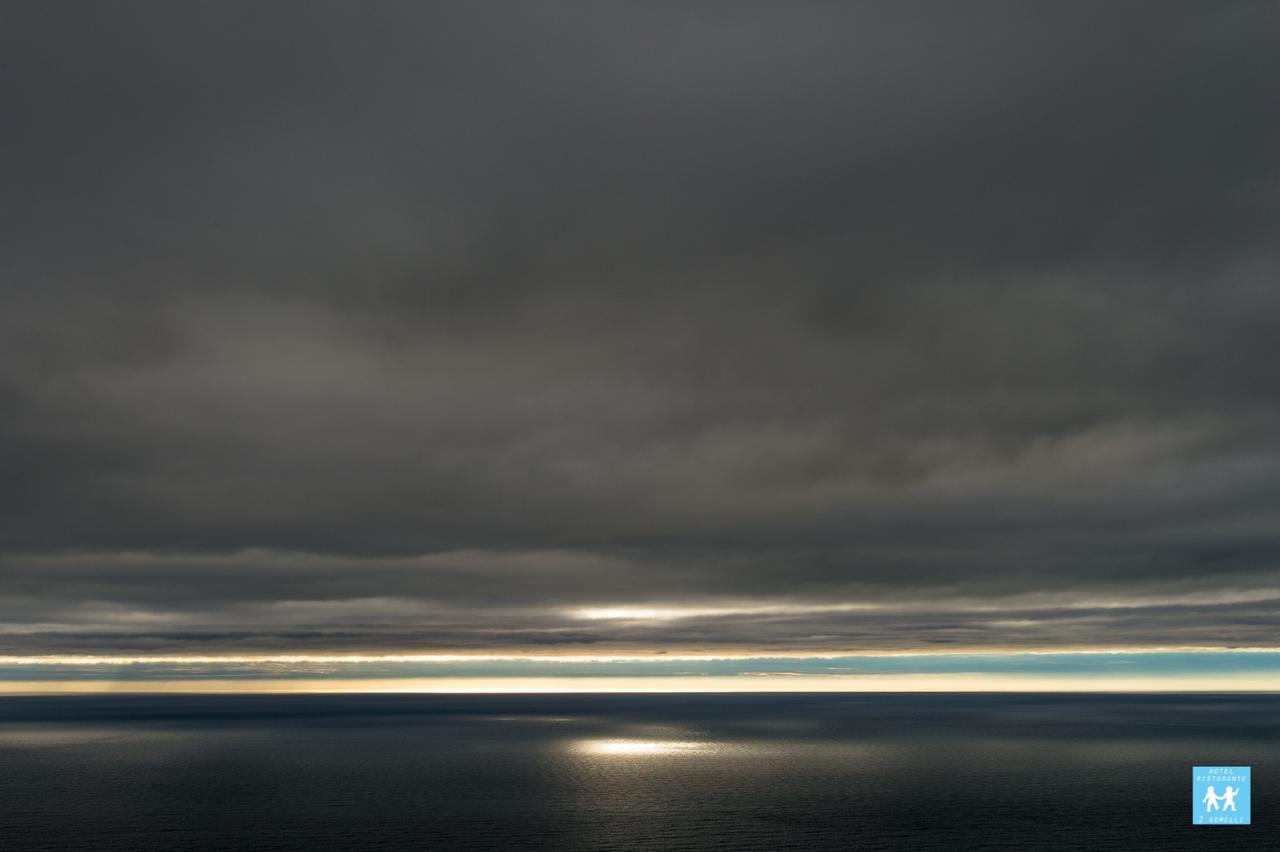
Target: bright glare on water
[(630, 748)]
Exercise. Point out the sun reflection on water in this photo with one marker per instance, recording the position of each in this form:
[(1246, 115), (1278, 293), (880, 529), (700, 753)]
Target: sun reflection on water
[(638, 748)]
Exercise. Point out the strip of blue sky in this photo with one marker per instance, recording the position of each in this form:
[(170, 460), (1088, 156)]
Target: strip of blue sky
[(1111, 664)]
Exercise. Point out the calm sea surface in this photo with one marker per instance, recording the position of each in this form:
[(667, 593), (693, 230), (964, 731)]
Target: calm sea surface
[(597, 772)]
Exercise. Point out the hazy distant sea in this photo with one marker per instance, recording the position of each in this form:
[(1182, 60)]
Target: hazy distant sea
[(645, 772)]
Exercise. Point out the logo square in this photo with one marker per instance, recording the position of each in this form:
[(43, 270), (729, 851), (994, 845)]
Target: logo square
[(1220, 795)]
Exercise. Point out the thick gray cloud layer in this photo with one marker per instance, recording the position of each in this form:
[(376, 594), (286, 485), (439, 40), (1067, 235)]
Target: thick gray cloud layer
[(419, 326)]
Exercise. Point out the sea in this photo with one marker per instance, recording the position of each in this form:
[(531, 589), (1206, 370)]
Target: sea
[(629, 771)]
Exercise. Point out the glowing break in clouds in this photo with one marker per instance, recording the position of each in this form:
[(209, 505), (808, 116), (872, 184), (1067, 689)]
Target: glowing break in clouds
[(1023, 603), (672, 613)]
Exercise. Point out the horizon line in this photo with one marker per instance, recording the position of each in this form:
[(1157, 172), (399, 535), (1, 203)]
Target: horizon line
[(618, 656)]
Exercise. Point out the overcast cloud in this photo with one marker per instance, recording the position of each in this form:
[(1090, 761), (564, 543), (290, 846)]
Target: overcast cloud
[(834, 325)]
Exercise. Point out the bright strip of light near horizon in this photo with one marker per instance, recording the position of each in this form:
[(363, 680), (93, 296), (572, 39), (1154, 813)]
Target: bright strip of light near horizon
[(1110, 670)]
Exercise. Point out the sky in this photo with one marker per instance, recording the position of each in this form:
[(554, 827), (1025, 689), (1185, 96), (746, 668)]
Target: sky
[(706, 330)]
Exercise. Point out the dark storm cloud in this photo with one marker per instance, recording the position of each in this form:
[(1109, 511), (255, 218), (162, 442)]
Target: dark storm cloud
[(423, 327)]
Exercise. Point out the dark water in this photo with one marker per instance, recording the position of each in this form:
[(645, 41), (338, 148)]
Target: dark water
[(627, 772)]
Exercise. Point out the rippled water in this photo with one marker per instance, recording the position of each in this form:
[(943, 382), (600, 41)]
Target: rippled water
[(626, 772)]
